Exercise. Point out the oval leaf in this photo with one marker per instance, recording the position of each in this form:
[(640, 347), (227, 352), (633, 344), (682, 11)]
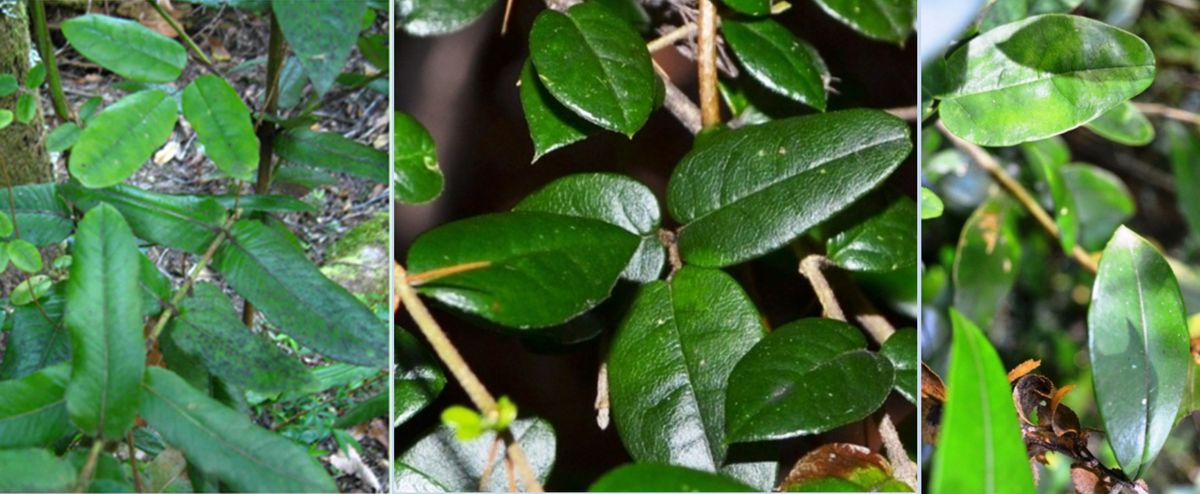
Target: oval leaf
[(321, 33), (887, 20), (42, 216), (883, 242), (551, 125), (1103, 201), (648, 477), (418, 177), (778, 59), (986, 260), (24, 256), (33, 411), (1124, 124), (1139, 349), (126, 47), (441, 463), (434, 17), (222, 123), (26, 108), (122, 137), (751, 190)]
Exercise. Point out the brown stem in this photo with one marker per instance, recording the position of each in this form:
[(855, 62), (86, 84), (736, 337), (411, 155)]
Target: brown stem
[(433, 274), (1169, 112), (706, 65), (812, 267), (137, 474), (89, 467), (907, 113)]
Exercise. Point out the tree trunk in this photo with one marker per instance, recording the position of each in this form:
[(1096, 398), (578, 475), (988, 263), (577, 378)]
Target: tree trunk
[(22, 146)]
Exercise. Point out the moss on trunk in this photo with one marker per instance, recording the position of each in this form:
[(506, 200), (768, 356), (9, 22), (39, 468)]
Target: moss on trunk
[(22, 147)]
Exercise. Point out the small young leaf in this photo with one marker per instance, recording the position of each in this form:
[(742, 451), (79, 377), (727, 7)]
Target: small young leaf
[(63, 137), (89, 108), (507, 411), (887, 20), (466, 422), (901, 349), (36, 76), (321, 33), (884, 242), (222, 123), (778, 59), (986, 260), (26, 108), (418, 378), (31, 289), (434, 17), (6, 225), (551, 125), (1124, 124), (42, 216), (418, 177), (32, 409), (8, 85), (931, 205), (334, 152), (34, 470), (126, 47), (6, 118), (121, 138), (24, 255), (650, 477), (441, 462)]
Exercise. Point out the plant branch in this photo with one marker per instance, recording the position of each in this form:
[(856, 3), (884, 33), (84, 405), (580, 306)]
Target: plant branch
[(1169, 112), (812, 267), (434, 274), (907, 113), (1018, 192), (42, 34), (680, 33), (678, 103), (187, 40), (189, 281), (137, 475), (706, 64), (89, 467), (266, 133)]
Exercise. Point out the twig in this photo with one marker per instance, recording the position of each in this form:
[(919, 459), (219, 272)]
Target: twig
[(1169, 112), (903, 467), (42, 34), (668, 239), (137, 474), (191, 279), (489, 465), (812, 266), (89, 467), (433, 274), (682, 32), (907, 113), (187, 40), (706, 65), (1018, 192), (678, 103)]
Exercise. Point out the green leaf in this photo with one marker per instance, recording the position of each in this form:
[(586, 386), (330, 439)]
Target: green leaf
[(24, 256), (29, 290), (807, 377), (778, 59), (466, 422), (123, 46), (551, 125), (35, 342), (1102, 200), (434, 17), (276, 276), (614, 199), (26, 108), (886, 20), (155, 288), (374, 48), (986, 260), (1124, 124), (842, 467), (1058, 72), (980, 447), (931, 205), (594, 63), (1185, 147), (6, 118), (885, 241), (1048, 170), (32, 410), (418, 378), (42, 216), (1005, 11), (121, 138), (750, 7), (901, 350), (1139, 349), (648, 477), (36, 76), (222, 123), (364, 411), (188, 223), (225, 443), (418, 178), (63, 137), (534, 270), (261, 202), (8, 85), (334, 152), (6, 225), (88, 109), (745, 192), (104, 319), (210, 330), (669, 364), (34, 470), (441, 462), (321, 33)]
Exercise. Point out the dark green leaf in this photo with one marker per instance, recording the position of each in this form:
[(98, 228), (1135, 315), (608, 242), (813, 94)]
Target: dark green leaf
[(751, 7), (222, 123), (648, 477), (986, 260), (63, 137), (374, 48), (321, 33), (901, 350), (1058, 72), (1124, 124), (1185, 147), (363, 411), (122, 137), (887, 20), (807, 377), (156, 288), (126, 47), (551, 125), (537, 269), (33, 411), (748, 191), (440, 461), (418, 178), (34, 470), (276, 276), (270, 203), (188, 223), (8, 85), (333, 152), (886, 241), (614, 199), (1139, 349), (434, 17), (26, 108), (1102, 200), (594, 63), (224, 443), (34, 342), (24, 255), (418, 378), (778, 59), (980, 447)]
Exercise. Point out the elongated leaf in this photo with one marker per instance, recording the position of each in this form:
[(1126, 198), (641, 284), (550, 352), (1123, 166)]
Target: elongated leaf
[(551, 125), (34, 470), (1103, 201), (594, 63), (42, 216), (209, 329), (614, 199), (224, 443), (188, 223), (275, 275), (104, 318), (259, 202), (333, 152), (535, 269), (35, 342), (1048, 170), (440, 462), (1124, 124), (807, 377), (669, 364), (1185, 146), (418, 378), (986, 260), (886, 241), (1138, 346), (33, 411), (26, 108), (1056, 72), (321, 33), (122, 137), (887, 20), (901, 349), (778, 59), (418, 177), (980, 447), (649, 477), (748, 191), (126, 47), (434, 17), (222, 123)]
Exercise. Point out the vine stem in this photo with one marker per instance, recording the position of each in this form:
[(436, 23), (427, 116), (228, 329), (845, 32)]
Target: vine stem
[(706, 64), (187, 40), (448, 353), (46, 49), (1169, 112), (812, 267), (1018, 192), (89, 467)]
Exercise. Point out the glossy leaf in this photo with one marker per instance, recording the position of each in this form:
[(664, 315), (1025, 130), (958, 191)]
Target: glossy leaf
[(778, 59), (418, 177), (434, 17), (276, 276), (63, 137), (224, 443), (1056, 72), (126, 47), (187, 223), (748, 191), (1102, 200), (34, 470), (1185, 147), (650, 477), (35, 342), (1048, 170), (104, 319), (594, 63), (885, 241), (1005, 11), (333, 152), (42, 216), (901, 350), (441, 463), (551, 125), (807, 377), (614, 199), (1139, 349), (321, 33), (1124, 124), (24, 255), (886, 20), (979, 447), (122, 137), (539, 269), (222, 123), (418, 378), (33, 411), (986, 260), (931, 205)]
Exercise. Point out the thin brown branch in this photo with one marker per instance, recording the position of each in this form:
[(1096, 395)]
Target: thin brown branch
[(812, 267), (137, 474), (670, 38), (907, 113), (706, 64), (678, 103), (89, 466), (1169, 112), (433, 274), (187, 40), (169, 311)]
